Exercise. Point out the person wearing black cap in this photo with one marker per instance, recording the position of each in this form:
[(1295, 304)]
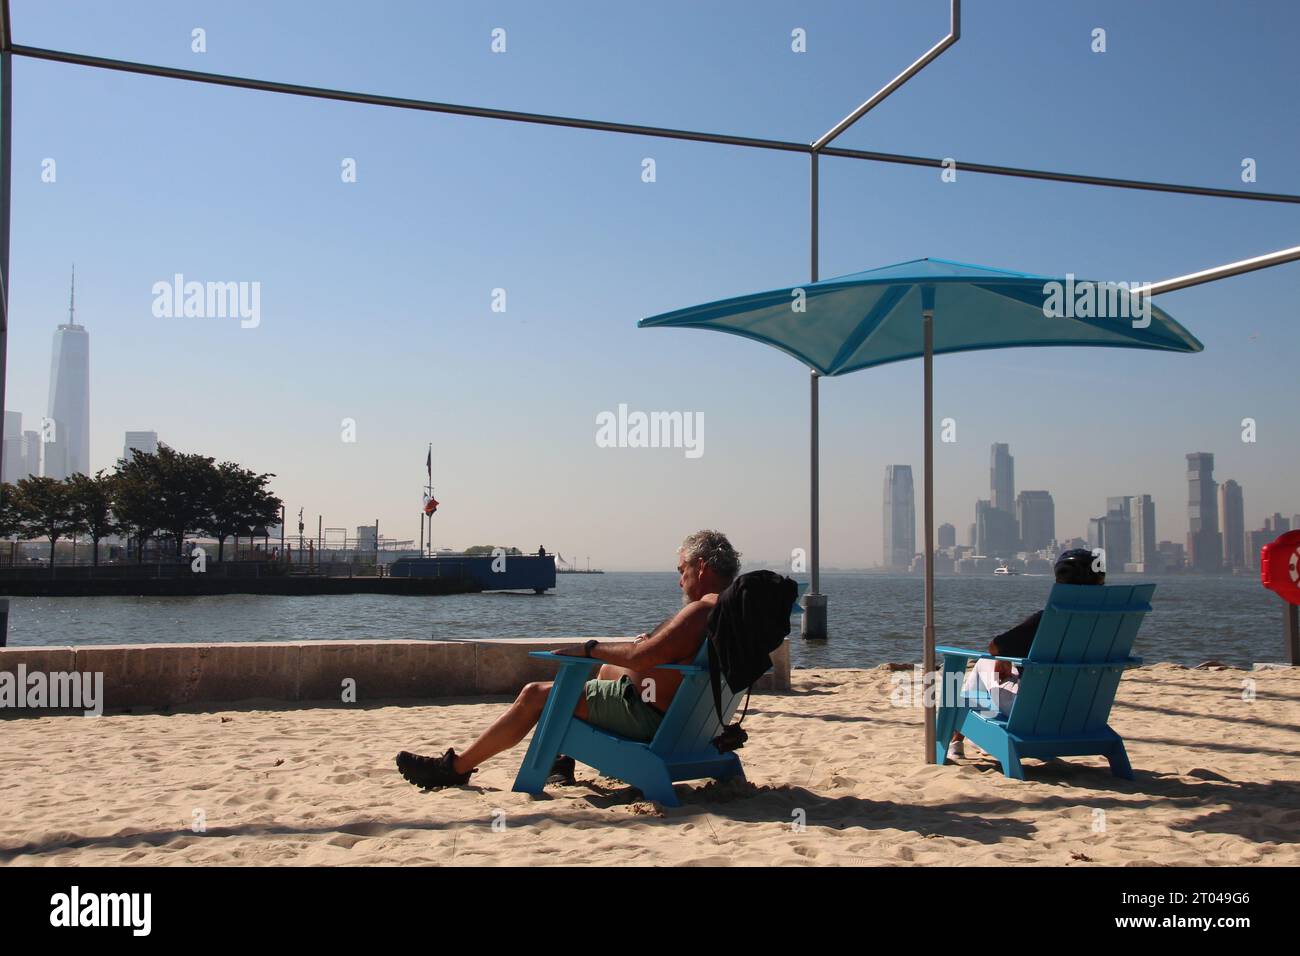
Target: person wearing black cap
[(999, 679)]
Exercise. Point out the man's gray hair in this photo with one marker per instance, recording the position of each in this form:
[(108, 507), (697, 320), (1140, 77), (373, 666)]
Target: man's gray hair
[(713, 548)]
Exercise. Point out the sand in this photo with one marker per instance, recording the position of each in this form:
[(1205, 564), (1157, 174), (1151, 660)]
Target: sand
[(1218, 783)]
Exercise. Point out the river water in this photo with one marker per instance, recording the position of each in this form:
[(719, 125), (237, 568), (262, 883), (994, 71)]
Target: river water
[(873, 617)]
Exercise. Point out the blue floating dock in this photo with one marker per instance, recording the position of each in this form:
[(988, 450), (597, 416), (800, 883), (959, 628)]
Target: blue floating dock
[(514, 572)]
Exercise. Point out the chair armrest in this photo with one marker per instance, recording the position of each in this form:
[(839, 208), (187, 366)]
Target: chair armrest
[(564, 659), (950, 651), (1023, 662)]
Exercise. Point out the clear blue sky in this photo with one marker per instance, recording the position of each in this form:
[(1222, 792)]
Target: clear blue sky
[(376, 294)]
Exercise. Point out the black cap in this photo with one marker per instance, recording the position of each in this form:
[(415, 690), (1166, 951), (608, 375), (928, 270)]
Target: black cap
[(1076, 566)]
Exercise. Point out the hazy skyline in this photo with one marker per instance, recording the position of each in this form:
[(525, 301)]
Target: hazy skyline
[(375, 297)]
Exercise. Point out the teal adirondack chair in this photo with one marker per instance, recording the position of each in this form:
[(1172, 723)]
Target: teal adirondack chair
[(682, 748), (1067, 683)]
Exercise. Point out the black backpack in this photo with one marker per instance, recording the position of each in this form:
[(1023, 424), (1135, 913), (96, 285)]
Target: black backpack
[(748, 623)]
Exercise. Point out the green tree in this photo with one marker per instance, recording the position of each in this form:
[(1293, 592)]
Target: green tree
[(92, 508), (137, 492), (477, 549), (44, 508), (10, 520), (185, 491), (237, 499)]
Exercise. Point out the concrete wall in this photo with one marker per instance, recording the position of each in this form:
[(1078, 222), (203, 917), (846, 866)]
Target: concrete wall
[(152, 676)]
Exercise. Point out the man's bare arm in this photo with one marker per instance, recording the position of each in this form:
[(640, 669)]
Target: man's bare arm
[(672, 641)]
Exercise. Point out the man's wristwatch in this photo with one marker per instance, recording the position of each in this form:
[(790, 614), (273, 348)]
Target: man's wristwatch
[(586, 648)]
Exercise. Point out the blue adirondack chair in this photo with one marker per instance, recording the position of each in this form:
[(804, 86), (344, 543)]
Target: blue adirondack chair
[(682, 748), (1067, 683)]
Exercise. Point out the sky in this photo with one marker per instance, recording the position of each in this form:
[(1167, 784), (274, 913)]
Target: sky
[(377, 296)]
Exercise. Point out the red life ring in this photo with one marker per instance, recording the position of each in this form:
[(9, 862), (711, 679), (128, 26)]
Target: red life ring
[(1279, 566)]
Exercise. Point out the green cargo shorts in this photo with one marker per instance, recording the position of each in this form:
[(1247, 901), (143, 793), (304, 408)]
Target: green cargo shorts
[(615, 705)]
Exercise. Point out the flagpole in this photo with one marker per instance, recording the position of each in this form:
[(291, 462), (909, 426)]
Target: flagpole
[(424, 512)]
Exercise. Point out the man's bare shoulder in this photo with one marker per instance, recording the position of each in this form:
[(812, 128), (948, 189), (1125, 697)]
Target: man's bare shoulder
[(700, 608), (693, 615)]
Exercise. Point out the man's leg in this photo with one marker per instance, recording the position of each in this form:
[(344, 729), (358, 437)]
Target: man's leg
[(512, 726)]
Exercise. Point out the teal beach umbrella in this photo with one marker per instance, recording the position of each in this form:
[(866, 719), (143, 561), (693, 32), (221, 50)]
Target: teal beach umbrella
[(924, 308)]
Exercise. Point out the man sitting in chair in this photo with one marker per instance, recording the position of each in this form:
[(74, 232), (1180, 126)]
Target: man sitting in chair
[(1000, 679), (629, 695)]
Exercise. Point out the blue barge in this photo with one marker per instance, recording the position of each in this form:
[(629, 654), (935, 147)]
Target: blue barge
[(513, 572)]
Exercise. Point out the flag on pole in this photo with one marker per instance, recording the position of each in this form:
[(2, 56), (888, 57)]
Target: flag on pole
[(428, 463), (431, 505)]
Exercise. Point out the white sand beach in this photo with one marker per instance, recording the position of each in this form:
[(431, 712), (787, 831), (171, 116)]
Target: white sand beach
[(1218, 783)]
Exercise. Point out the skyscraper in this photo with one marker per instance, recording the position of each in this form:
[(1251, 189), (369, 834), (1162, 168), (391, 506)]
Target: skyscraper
[(1142, 533), (1097, 532), (69, 405), (899, 517), (31, 451), (947, 536), (1119, 540), (1204, 544), (146, 442), (1036, 513), (1002, 479), (14, 458), (1232, 508), (995, 531)]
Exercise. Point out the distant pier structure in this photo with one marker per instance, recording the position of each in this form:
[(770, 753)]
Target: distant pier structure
[(504, 572)]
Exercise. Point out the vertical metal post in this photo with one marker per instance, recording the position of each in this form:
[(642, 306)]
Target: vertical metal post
[(928, 663), (6, 170), (812, 625), (1291, 614)]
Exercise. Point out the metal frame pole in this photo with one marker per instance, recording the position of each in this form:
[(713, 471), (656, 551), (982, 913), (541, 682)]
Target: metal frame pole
[(6, 175), (920, 63), (928, 662), (1291, 623), (1237, 268), (813, 624)]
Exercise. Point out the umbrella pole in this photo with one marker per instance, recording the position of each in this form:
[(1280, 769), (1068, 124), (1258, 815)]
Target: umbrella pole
[(812, 623), (928, 665)]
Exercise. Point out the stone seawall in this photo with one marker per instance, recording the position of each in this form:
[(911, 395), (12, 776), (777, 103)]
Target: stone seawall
[(154, 676)]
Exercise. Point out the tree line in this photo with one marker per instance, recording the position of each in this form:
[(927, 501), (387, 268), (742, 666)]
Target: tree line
[(151, 495)]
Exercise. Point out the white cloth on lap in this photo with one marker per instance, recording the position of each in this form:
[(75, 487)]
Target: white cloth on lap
[(984, 678)]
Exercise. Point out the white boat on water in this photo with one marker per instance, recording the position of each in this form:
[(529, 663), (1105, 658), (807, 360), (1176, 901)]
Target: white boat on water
[(1004, 570)]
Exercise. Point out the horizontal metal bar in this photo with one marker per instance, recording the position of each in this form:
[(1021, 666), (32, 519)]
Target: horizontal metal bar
[(1079, 178), (347, 96), (399, 102), (1220, 272)]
